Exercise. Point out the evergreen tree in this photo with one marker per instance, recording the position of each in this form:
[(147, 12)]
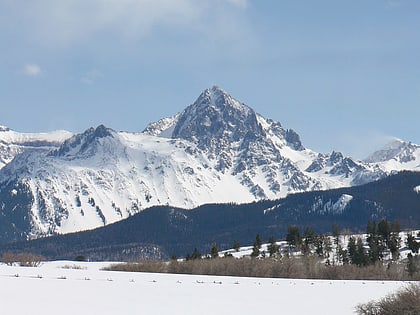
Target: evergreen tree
[(214, 252), (412, 244), (258, 241), (293, 237), (351, 249), (319, 245), (362, 258), (336, 233), (342, 255), (272, 247), (376, 247), (384, 231), (195, 254), (256, 246), (327, 247), (357, 252), (308, 241), (255, 250), (236, 245)]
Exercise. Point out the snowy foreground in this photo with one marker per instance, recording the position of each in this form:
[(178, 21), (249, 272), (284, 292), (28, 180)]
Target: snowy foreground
[(59, 288)]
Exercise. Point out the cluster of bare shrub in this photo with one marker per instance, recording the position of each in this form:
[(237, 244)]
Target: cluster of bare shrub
[(403, 302), (22, 259), (303, 267)]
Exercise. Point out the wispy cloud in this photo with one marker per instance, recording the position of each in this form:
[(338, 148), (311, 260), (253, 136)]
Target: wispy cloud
[(67, 22), (239, 3), (91, 77), (32, 70)]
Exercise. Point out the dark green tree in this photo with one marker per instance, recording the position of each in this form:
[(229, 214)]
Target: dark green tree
[(272, 247), (319, 245), (327, 248), (214, 252), (293, 237), (394, 242), (236, 245), (336, 233), (195, 254), (258, 241), (412, 244), (255, 250), (342, 255), (309, 237), (375, 243), (384, 231), (356, 252)]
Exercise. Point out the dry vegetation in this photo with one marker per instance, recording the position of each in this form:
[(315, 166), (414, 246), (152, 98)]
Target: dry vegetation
[(285, 267), (404, 302), (22, 259)]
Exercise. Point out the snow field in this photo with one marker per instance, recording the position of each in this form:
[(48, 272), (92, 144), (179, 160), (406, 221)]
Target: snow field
[(52, 289)]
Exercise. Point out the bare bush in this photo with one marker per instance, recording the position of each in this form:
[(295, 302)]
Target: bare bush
[(22, 259), (304, 267), (403, 302)]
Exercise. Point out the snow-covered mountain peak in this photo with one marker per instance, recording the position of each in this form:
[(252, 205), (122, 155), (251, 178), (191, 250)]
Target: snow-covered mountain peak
[(84, 144), (396, 150), (4, 128), (221, 100), (216, 116), (13, 143)]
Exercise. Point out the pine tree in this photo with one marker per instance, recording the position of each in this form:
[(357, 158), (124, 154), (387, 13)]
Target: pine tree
[(214, 252), (308, 241), (236, 245), (319, 245), (255, 250), (258, 241), (336, 233), (195, 254), (327, 247), (412, 244), (357, 252), (273, 248), (293, 237), (375, 248)]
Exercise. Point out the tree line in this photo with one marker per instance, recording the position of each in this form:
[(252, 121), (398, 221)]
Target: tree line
[(381, 243)]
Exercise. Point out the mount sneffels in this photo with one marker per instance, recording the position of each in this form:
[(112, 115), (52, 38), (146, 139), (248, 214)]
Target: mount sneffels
[(217, 150)]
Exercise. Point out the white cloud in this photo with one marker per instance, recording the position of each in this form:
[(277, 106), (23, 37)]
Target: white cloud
[(91, 77), (66, 22), (32, 70)]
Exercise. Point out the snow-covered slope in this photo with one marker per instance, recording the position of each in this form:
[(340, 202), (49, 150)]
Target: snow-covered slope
[(397, 155), (216, 150), (13, 143)]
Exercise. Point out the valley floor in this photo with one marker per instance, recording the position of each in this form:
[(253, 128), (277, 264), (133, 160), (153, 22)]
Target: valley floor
[(63, 287)]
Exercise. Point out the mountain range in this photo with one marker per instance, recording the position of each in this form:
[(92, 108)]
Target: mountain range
[(163, 231), (217, 150)]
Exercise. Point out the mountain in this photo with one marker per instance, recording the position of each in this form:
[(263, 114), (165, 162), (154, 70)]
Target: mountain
[(160, 232), (13, 143), (217, 150), (397, 155)]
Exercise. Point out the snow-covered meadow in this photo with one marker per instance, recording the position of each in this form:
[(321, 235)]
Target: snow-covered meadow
[(63, 287)]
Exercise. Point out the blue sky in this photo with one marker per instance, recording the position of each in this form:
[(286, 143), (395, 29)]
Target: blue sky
[(344, 74)]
